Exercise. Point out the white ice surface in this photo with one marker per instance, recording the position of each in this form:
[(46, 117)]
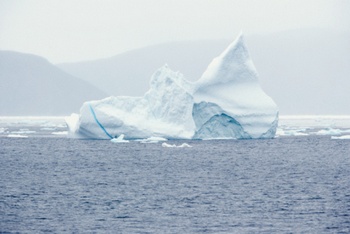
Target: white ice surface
[(153, 140), (303, 125), (23, 131), (47, 129), (17, 136), (32, 126), (345, 137), (119, 139), (329, 131), (183, 145), (166, 145), (60, 133), (291, 132)]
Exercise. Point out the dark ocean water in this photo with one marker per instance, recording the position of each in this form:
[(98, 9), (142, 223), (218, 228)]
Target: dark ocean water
[(283, 185)]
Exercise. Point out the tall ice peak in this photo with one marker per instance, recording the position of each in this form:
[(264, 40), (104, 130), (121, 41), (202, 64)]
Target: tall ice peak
[(232, 65)]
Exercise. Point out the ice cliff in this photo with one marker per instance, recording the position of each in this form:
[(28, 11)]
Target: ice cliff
[(227, 102)]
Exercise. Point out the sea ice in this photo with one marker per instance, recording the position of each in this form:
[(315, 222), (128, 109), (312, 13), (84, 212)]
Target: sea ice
[(153, 140), (345, 137), (329, 131), (119, 139), (164, 144), (47, 129), (227, 102), (17, 136), (60, 133), (183, 145), (23, 131), (291, 132)]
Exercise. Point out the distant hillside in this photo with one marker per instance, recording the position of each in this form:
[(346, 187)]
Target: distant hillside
[(129, 73), (305, 71), (30, 85)]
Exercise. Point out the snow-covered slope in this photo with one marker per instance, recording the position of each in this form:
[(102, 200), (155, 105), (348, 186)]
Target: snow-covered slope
[(226, 102), (30, 85)]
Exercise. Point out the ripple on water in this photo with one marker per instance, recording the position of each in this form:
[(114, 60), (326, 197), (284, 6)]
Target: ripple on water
[(273, 186)]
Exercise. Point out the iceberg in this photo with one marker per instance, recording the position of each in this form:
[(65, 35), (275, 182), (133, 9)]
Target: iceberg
[(227, 102)]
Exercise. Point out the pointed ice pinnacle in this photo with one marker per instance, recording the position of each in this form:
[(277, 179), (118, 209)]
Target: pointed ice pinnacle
[(231, 83), (232, 65)]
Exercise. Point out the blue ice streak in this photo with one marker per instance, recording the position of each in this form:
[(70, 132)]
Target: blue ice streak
[(98, 122)]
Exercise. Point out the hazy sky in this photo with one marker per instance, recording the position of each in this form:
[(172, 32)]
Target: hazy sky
[(68, 30)]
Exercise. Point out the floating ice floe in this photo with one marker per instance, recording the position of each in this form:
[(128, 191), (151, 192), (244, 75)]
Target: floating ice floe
[(153, 140), (168, 145), (120, 139), (345, 137), (295, 131), (291, 132), (60, 133), (47, 129), (329, 131), (17, 136), (183, 145), (23, 131)]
